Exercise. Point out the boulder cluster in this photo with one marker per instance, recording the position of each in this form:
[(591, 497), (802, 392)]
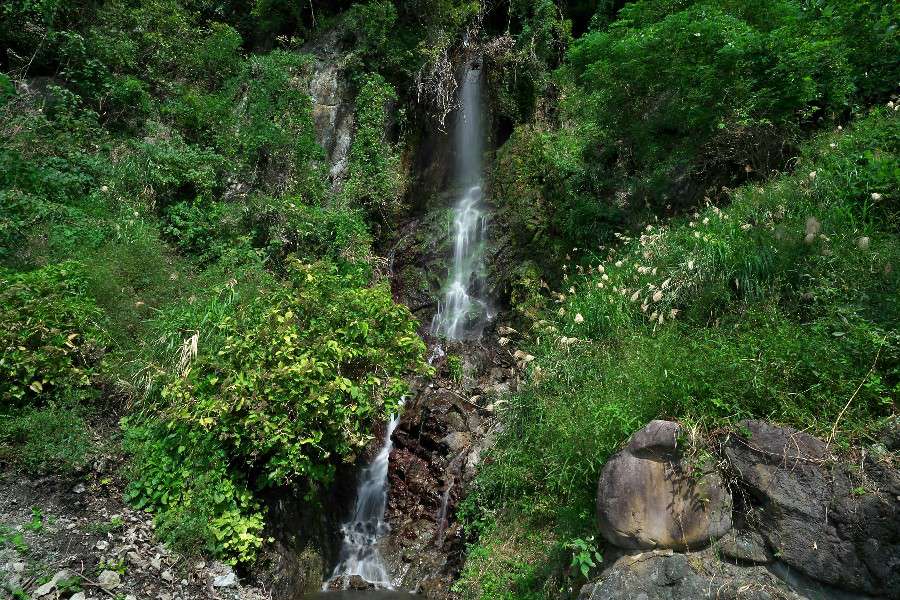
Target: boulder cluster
[(770, 513)]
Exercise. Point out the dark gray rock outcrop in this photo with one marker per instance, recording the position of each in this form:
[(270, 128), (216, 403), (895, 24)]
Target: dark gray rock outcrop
[(836, 528), (650, 497), (663, 575)]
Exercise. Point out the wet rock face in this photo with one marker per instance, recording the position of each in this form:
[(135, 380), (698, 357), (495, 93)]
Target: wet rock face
[(333, 116), (306, 537), (437, 446), (332, 105), (814, 516), (650, 497)]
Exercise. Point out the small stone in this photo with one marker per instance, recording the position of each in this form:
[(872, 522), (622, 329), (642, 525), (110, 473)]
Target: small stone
[(77, 596), (229, 579), (101, 545), (167, 575), (135, 559), (109, 580), (79, 489), (863, 243), (51, 585)]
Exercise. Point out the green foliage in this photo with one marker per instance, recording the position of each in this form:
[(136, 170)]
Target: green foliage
[(301, 373), (520, 72), (536, 183), (375, 181), (782, 306), (182, 475), (509, 564), (7, 89), (285, 227), (201, 228), (164, 167), (584, 555), (669, 102), (273, 127), (372, 26), (454, 364), (50, 439), (772, 72), (51, 342), (10, 537), (218, 55)]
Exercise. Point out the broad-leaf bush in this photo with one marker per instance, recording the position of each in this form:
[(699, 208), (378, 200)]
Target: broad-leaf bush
[(302, 372), (201, 505), (51, 339), (375, 181)]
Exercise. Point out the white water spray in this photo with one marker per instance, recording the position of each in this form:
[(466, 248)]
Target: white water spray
[(359, 552), (464, 312)]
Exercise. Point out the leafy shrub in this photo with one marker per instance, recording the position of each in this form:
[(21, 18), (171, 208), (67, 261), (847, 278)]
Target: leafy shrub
[(201, 228), (286, 227), (302, 372), (128, 101), (218, 56), (51, 342), (374, 181), (25, 26), (655, 104), (372, 26), (165, 168), (7, 89), (182, 475), (539, 184), (273, 130)]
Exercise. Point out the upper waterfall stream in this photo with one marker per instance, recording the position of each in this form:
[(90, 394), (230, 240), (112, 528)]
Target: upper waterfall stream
[(465, 311)]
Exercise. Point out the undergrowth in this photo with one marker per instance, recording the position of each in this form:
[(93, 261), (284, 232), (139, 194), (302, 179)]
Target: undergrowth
[(782, 305)]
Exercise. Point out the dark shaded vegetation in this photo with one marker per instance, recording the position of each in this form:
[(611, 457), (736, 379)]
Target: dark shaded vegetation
[(171, 243)]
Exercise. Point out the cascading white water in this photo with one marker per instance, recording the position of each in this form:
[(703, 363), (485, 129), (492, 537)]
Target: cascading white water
[(359, 552), (463, 313)]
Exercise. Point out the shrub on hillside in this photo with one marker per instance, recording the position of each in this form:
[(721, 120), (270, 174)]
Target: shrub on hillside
[(50, 342), (375, 181), (302, 372), (201, 505)]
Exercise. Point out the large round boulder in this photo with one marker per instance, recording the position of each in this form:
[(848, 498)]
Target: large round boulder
[(650, 496)]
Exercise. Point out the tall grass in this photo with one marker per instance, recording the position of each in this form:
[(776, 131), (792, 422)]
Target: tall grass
[(782, 305)]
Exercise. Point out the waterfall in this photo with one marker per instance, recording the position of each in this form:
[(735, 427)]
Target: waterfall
[(463, 313), (365, 529), (359, 550)]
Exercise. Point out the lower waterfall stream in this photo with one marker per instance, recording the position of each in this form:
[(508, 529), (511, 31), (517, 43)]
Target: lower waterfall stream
[(360, 555)]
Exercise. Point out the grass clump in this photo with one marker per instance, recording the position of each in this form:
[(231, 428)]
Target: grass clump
[(51, 439)]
